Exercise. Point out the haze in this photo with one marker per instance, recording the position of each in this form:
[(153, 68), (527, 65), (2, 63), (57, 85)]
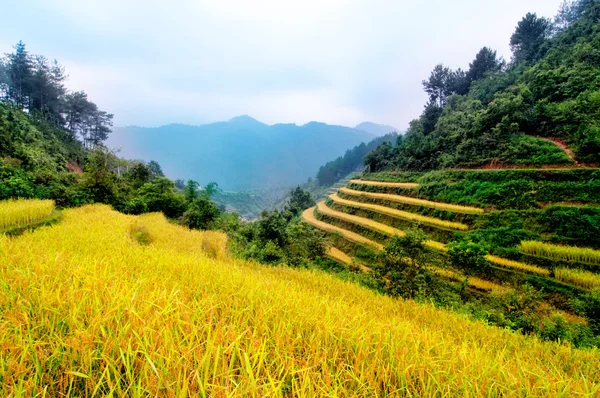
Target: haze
[(340, 62)]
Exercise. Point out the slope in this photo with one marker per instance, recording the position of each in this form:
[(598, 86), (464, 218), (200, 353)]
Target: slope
[(92, 312)]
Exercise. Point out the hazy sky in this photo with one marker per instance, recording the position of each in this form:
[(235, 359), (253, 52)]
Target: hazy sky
[(337, 61)]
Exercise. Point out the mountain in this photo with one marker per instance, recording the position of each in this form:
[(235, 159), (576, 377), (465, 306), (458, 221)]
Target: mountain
[(376, 129), (239, 154)]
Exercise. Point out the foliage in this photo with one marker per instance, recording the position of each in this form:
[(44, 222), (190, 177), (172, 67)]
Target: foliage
[(468, 256)]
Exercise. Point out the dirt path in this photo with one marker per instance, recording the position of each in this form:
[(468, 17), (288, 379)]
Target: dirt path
[(562, 145)]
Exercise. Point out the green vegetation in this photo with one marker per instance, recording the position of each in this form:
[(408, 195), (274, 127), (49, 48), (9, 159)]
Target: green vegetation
[(493, 114)]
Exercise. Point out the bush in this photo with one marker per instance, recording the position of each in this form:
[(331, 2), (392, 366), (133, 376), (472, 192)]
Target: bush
[(468, 256)]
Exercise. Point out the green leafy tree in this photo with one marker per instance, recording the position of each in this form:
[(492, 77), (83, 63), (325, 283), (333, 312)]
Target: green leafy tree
[(468, 256), (439, 84), (299, 201), (155, 168), (529, 37)]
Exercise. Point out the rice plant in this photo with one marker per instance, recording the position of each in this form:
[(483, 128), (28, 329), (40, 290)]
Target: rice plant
[(414, 201), (386, 184), (88, 311), (404, 215), (478, 283), (559, 252), (585, 279), (517, 265), (20, 212)]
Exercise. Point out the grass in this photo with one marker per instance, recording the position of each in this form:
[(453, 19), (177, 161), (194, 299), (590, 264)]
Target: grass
[(21, 212), (414, 201), (585, 279), (404, 215), (386, 184), (87, 311), (559, 252)]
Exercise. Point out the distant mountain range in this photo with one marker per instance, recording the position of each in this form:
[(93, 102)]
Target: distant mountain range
[(242, 153), (375, 129)]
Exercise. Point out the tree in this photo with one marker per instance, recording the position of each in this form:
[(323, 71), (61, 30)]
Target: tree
[(299, 201), (156, 169), (191, 190), (404, 271), (527, 40), (468, 256), (439, 84), (430, 116), (200, 214), (379, 158), (20, 75), (485, 62)]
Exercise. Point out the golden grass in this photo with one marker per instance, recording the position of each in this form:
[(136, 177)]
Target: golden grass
[(503, 262), (338, 255), (404, 215), (585, 279), (386, 184), (473, 281), (20, 212), (87, 311), (414, 201), (559, 252), (309, 217)]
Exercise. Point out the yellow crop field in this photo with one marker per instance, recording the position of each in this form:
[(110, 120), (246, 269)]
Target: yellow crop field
[(309, 217), (585, 279), (24, 211), (386, 184), (338, 255), (559, 252), (517, 265), (373, 225), (473, 281), (404, 215), (414, 201), (86, 310)]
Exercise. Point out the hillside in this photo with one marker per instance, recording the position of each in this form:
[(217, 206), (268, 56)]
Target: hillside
[(521, 114), (240, 154), (173, 315)]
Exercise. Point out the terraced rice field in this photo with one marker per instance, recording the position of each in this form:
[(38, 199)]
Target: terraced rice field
[(413, 201), (386, 184), (403, 215), (308, 216), (559, 252), (338, 255)]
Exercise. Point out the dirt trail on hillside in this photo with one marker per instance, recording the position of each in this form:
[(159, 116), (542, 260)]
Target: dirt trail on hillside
[(562, 145)]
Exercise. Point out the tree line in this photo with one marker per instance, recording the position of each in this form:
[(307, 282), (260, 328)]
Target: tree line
[(36, 85)]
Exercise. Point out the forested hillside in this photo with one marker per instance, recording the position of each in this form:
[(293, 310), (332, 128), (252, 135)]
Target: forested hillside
[(512, 114), (240, 154)]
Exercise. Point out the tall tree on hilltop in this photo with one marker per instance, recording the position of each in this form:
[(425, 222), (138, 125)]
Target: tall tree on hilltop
[(527, 41), (439, 84), (20, 74), (485, 62)]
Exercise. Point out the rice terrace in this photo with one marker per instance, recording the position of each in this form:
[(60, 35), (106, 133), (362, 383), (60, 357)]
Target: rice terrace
[(141, 256)]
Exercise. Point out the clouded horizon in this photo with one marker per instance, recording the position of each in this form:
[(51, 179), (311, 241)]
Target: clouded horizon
[(153, 63)]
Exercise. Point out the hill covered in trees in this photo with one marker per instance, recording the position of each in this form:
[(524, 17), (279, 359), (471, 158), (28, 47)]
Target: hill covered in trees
[(510, 113), (242, 153)]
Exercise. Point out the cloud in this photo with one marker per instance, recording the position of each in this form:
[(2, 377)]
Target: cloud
[(340, 61)]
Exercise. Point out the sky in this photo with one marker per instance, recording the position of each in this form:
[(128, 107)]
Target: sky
[(199, 61)]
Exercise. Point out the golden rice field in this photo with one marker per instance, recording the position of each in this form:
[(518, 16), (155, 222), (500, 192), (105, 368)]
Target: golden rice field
[(338, 255), (21, 212), (373, 225), (86, 310), (585, 279), (559, 252), (517, 265), (308, 216), (404, 215), (473, 281), (414, 201), (385, 184)]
